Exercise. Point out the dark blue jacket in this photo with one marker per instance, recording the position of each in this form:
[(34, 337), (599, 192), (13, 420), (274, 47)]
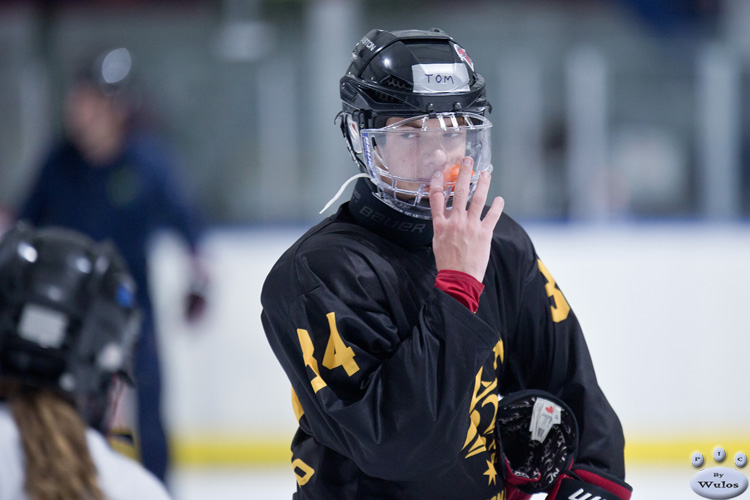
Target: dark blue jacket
[(124, 201)]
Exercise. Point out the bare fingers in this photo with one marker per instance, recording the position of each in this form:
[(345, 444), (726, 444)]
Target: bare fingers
[(461, 191), (480, 195), (437, 197), (494, 213)]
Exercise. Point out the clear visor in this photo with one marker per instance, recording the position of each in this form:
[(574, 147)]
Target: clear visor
[(402, 157)]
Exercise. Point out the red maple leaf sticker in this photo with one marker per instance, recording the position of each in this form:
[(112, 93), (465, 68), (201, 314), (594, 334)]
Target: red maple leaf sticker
[(549, 409), (464, 55)]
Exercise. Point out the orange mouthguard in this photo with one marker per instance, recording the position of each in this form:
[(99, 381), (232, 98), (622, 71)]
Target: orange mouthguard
[(451, 174)]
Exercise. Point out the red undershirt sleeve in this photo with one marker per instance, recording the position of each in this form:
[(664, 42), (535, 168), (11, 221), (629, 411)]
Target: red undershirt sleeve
[(461, 286)]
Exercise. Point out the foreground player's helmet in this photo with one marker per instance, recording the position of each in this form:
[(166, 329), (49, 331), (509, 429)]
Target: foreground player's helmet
[(68, 317), (412, 105)]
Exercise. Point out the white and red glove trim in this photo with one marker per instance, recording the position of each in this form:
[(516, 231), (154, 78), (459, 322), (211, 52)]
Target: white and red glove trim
[(583, 483), (513, 481)]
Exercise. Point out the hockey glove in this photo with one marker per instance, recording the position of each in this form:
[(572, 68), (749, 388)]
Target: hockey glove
[(196, 297), (195, 304), (538, 441)]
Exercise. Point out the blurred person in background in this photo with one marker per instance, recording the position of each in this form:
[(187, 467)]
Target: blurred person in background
[(417, 326), (111, 178), (68, 323)]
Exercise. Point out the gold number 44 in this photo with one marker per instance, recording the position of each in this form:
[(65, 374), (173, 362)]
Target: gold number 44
[(337, 353)]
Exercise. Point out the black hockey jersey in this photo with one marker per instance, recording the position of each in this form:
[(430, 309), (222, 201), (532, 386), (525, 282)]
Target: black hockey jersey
[(396, 384)]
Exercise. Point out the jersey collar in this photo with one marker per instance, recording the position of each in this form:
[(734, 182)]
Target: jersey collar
[(374, 215)]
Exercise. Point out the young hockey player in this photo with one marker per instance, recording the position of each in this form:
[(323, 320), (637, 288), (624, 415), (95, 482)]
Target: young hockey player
[(417, 325), (68, 324)]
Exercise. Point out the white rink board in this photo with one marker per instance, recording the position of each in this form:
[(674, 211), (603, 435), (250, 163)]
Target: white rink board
[(664, 308)]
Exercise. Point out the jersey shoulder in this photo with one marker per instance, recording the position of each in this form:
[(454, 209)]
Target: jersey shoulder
[(11, 456), (511, 236), (332, 250), (513, 252), (121, 477)]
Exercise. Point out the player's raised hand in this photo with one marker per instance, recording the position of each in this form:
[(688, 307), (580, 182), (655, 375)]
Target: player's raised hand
[(462, 239)]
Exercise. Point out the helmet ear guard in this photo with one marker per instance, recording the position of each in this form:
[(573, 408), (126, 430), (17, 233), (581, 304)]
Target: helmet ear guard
[(353, 141), (352, 132), (107, 336)]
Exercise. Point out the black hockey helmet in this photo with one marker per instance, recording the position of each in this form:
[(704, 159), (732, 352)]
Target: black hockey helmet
[(380, 80), (68, 316), (411, 74)]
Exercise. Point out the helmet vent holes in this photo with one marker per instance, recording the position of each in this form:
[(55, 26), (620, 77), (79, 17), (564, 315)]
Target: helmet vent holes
[(380, 97), (396, 83)]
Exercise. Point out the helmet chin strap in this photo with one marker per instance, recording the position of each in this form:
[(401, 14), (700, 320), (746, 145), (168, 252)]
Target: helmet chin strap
[(341, 190)]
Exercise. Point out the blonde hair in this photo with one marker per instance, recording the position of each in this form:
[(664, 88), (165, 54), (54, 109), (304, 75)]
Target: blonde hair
[(58, 462)]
